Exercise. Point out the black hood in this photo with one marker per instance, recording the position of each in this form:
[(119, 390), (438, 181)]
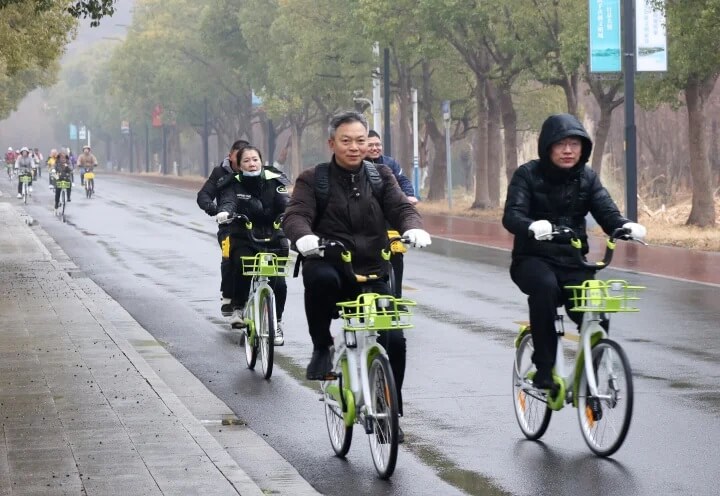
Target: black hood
[(558, 127)]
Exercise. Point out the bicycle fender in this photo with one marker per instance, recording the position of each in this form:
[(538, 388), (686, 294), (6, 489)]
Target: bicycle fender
[(524, 330), (580, 364)]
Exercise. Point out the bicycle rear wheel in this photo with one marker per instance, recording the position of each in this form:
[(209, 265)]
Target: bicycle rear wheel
[(531, 409), (605, 420), (384, 402), (266, 333)]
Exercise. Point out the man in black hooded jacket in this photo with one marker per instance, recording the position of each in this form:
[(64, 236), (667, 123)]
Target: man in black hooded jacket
[(556, 189), (207, 200)]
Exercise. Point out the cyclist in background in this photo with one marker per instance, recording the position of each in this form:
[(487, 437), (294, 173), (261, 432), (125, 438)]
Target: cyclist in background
[(375, 155), (52, 158), (10, 157), (262, 196), (555, 189), (63, 172), (23, 167), (38, 159), (354, 216), (207, 200), (87, 162)]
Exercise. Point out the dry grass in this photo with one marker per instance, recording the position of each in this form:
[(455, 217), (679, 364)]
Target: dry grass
[(665, 226)]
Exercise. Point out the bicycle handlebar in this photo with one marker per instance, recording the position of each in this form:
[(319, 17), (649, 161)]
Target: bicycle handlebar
[(345, 255), (619, 233), (249, 226)]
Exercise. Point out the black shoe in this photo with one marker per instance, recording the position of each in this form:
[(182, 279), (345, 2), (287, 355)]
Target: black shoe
[(543, 379), (69, 200), (320, 365), (401, 435)]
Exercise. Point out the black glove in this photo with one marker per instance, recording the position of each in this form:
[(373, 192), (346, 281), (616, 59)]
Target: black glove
[(211, 209)]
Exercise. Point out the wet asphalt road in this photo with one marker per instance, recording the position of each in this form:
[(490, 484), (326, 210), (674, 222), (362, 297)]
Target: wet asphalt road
[(155, 252)]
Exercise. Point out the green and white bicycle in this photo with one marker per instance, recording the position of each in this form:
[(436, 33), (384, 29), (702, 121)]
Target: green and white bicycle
[(25, 180), (260, 311), (600, 383), (361, 389), (63, 186)]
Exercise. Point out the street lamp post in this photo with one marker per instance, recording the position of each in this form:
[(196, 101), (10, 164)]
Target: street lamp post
[(416, 145), (448, 155)]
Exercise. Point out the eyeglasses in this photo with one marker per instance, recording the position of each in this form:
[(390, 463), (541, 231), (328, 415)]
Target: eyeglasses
[(373, 145), (574, 144)]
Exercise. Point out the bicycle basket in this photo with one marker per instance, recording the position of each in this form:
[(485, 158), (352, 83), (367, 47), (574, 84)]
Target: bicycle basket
[(26, 178), (265, 264), (609, 296), (376, 312), (62, 184), (89, 175)]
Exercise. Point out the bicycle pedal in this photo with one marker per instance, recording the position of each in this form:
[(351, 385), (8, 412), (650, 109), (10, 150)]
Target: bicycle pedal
[(368, 423), (332, 376)]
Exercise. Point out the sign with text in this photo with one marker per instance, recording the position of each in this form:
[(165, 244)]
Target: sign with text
[(82, 133), (605, 31), (73, 132), (651, 39)]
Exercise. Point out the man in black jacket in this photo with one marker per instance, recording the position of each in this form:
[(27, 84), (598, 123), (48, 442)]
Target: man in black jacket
[(556, 189), (207, 199), (354, 216)]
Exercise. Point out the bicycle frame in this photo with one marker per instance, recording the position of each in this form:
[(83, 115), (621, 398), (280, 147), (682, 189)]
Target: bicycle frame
[(353, 357), (258, 286)]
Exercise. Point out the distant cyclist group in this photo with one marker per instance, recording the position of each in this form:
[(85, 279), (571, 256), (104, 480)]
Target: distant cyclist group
[(27, 165)]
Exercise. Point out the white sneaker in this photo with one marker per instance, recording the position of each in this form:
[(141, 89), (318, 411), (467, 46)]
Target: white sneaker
[(279, 338), (19, 195), (237, 321), (30, 189)]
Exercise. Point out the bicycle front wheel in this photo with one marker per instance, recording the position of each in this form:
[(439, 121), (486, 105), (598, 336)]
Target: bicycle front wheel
[(25, 193), (384, 403), (251, 345), (531, 409), (340, 434), (605, 419), (266, 333)]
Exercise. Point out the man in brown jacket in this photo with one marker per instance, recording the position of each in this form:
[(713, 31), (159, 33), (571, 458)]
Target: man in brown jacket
[(356, 217)]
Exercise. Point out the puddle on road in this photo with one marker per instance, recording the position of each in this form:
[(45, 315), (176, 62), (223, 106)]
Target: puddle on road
[(499, 335), (465, 480)]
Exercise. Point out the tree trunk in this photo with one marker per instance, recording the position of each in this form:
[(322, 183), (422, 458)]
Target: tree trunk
[(569, 86), (494, 146), (509, 120), (482, 195), (702, 213), (601, 135), (296, 161)]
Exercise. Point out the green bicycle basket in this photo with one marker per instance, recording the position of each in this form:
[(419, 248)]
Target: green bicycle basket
[(265, 264), (611, 296), (26, 178), (62, 184), (376, 312)]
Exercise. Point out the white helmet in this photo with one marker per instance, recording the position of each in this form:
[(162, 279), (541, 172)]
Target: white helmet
[(10, 148), (24, 149)]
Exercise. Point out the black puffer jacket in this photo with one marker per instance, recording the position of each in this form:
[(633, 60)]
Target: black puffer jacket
[(540, 190), (208, 194), (262, 199)]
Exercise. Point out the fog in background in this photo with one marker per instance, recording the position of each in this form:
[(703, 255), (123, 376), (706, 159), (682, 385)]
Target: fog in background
[(28, 125)]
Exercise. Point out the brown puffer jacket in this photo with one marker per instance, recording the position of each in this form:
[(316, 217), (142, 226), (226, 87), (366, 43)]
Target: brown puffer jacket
[(353, 215)]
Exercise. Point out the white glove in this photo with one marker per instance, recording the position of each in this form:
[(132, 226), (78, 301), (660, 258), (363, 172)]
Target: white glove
[(222, 217), (419, 238), (308, 245), (637, 231), (542, 229)]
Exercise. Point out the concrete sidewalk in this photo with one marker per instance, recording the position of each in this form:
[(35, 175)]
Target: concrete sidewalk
[(83, 405)]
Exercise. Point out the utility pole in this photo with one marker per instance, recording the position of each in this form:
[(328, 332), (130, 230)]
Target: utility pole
[(630, 129), (376, 98), (416, 145), (387, 145)]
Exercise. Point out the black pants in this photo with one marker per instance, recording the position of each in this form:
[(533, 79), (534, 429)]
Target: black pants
[(397, 261), (226, 266), (543, 283), (325, 285), (241, 284), (57, 195)]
